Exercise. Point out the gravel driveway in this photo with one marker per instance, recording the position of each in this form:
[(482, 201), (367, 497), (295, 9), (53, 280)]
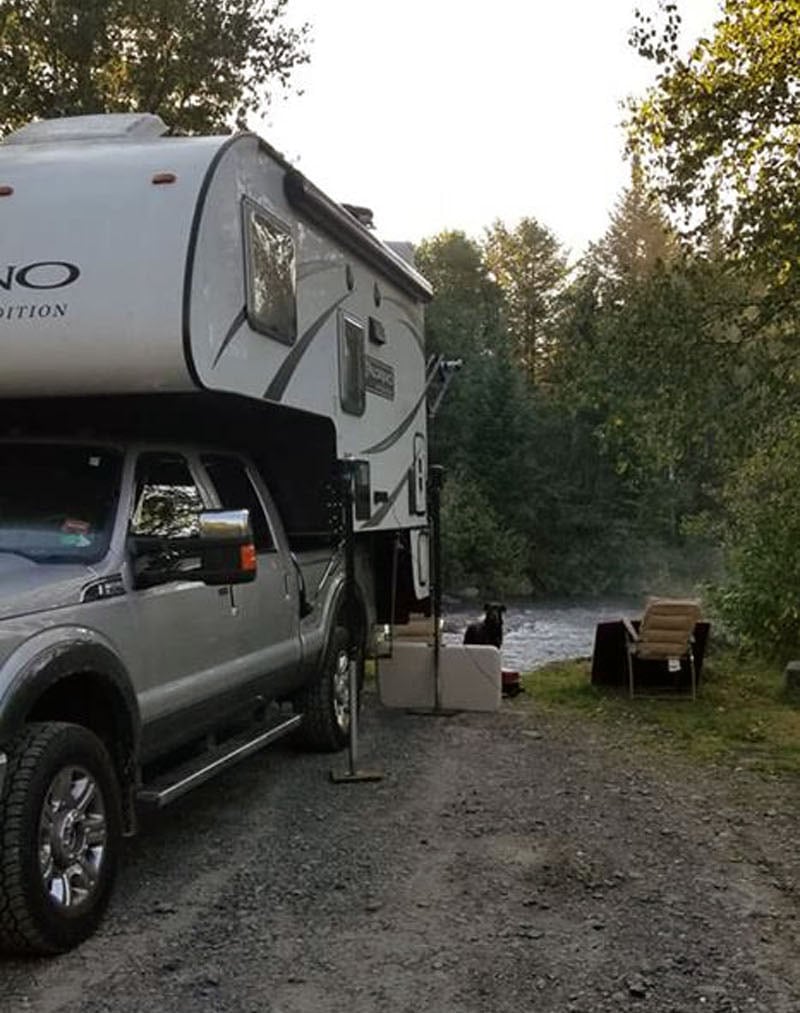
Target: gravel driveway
[(505, 863)]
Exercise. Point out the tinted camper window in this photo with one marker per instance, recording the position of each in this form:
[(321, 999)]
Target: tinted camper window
[(269, 252), (352, 367)]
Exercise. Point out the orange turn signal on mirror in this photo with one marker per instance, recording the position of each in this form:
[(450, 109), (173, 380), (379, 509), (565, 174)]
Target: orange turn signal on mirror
[(247, 557), (164, 177)]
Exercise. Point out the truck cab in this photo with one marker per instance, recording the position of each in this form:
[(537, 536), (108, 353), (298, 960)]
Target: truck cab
[(149, 602)]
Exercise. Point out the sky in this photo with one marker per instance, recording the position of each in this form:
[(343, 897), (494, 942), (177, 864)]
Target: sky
[(449, 114)]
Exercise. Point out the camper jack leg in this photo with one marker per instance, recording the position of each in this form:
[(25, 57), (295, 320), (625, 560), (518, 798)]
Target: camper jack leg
[(353, 774)]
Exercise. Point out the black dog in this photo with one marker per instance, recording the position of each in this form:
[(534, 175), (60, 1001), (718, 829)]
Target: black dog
[(490, 629)]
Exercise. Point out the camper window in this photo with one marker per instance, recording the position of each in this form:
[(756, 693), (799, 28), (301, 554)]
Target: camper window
[(352, 365), (269, 265)]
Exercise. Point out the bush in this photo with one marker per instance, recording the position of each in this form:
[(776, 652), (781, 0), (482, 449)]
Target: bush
[(760, 596), (477, 549)]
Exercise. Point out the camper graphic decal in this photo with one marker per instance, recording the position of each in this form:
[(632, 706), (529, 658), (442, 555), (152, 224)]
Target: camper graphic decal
[(284, 374), (38, 276), (395, 435), (42, 274), (29, 311), (233, 330), (404, 321), (380, 378)]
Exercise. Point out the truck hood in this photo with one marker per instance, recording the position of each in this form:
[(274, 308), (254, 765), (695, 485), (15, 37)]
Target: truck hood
[(27, 587)]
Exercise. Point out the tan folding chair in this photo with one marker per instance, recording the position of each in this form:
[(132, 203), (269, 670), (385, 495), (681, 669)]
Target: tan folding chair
[(666, 633)]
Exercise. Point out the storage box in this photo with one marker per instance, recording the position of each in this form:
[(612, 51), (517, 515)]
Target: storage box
[(469, 677)]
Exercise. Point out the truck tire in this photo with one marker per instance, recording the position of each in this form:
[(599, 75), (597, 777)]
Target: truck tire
[(325, 703), (60, 835)]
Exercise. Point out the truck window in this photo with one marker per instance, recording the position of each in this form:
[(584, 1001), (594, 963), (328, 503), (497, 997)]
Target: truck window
[(352, 365), (167, 502), (236, 492), (57, 502), (269, 268)]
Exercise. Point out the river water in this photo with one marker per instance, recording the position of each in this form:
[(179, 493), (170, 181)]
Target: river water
[(538, 632)]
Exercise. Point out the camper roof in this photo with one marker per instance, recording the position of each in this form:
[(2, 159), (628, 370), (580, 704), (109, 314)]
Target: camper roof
[(101, 127)]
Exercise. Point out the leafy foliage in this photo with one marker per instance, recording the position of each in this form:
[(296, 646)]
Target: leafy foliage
[(718, 140), (760, 599), (718, 132), (530, 268), (478, 550), (200, 65)]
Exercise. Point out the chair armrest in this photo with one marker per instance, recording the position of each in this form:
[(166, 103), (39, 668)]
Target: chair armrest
[(630, 631)]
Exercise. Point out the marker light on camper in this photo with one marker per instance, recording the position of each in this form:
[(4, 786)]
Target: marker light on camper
[(164, 177), (6, 191)]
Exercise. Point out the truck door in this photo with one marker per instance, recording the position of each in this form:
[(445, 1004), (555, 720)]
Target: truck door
[(186, 627), (267, 612)]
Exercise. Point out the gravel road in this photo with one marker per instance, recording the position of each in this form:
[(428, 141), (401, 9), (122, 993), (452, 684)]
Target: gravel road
[(506, 863)]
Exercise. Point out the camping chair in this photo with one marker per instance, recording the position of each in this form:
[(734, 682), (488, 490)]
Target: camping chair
[(666, 634)]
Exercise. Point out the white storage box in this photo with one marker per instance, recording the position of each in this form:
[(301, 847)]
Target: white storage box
[(469, 677)]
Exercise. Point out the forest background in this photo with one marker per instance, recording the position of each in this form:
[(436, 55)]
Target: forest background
[(626, 423)]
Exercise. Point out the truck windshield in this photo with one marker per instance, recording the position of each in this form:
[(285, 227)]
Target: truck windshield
[(57, 502)]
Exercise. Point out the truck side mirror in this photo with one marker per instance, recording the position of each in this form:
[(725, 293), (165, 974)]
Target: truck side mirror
[(228, 553), (222, 552)]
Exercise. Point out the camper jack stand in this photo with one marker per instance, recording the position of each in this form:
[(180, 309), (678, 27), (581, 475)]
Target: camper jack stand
[(435, 482), (352, 775)]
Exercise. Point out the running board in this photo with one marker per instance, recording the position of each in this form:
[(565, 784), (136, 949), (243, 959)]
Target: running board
[(166, 790)]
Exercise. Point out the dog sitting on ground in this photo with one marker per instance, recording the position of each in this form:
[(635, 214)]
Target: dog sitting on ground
[(490, 629)]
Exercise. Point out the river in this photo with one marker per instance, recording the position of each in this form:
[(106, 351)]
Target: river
[(538, 632)]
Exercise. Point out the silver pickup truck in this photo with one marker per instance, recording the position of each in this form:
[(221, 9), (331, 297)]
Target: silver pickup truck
[(151, 614)]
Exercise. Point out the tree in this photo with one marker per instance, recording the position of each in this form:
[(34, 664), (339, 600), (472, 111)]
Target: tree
[(464, 318), (759, 597), (200, 65), (462, 322), (718, 132), (530, 267), (638, 241)]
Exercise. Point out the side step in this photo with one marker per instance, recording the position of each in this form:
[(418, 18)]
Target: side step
[(178, 782)]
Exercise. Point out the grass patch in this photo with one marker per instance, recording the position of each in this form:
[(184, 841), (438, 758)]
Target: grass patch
[(741, 717)]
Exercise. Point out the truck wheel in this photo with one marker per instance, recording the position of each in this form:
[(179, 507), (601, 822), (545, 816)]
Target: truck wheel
[(60, 833), (325, 703)]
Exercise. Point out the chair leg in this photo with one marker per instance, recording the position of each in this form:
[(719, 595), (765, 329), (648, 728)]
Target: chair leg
[(693, 672)]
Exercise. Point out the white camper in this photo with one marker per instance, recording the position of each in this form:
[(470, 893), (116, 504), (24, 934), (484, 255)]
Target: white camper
[(135, 262), (194, 339)]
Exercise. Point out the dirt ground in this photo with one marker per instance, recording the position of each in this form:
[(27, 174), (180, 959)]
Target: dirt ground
[(505, 863)]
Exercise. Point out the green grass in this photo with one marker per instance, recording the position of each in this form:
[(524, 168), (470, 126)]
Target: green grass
[(741, 717)]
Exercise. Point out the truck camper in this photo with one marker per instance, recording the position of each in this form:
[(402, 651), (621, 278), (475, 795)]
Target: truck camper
[(194, 338)]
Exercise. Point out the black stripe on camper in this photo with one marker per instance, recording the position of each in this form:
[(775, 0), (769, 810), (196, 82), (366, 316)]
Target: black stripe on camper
[(404, 426), (192, 250), (311, 267), (285, 372), (233, 330), (379, 515), (406, 322)]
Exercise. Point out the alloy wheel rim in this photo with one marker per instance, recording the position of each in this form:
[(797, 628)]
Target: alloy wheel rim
[(73, 837)]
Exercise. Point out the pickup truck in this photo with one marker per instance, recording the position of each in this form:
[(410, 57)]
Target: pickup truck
[(151, 616)]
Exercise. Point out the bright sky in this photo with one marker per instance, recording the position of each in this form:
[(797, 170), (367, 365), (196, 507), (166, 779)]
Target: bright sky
[(449, 113)]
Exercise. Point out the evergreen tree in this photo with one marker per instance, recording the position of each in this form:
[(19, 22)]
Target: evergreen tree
[(530, 267)]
